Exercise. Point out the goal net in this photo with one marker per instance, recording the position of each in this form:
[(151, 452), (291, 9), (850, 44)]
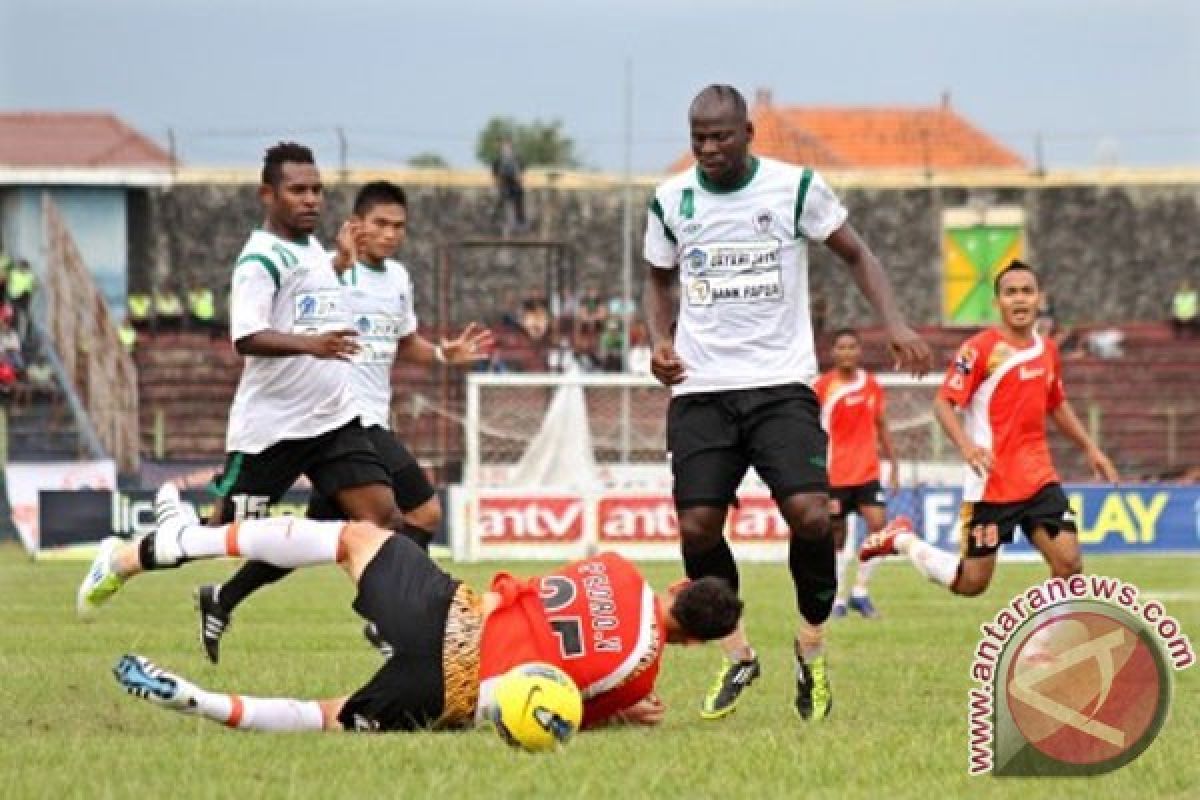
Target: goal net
[(558, 465)]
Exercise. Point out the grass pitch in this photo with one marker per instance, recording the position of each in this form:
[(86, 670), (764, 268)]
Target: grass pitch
[(898, 727)]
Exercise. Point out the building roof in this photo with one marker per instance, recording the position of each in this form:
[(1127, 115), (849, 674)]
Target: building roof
[(932, 138), (70, 139)]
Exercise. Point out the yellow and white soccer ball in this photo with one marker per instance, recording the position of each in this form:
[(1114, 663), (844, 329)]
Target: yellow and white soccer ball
[(536, 707)]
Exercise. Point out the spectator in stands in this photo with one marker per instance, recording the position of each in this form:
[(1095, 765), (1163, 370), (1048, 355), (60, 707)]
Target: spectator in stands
[(640, 352), (21, 285), (535, 315), (168, 309), (561, 357), (612, 346), (127, 334), (592, 310), (141, 310), (507, 172), (1184, 310), (10, 347), (1048, 326), (584, 344), (202, 310)]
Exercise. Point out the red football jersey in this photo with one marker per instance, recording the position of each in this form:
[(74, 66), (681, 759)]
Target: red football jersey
[(849, 414), (597, 619), (1005, 392)]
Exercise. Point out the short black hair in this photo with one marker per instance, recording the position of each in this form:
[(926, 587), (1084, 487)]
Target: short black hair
[(280, 154), (840, 332), (707, 609), (377, 193), (1015, 266), (720, 93)]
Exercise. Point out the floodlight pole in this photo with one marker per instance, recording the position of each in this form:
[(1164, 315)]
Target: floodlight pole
[(627, 255)]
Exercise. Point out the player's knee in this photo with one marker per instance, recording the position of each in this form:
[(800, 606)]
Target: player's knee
[(1066, 566), (697, 530), (809, 519), (427, 516), (358, 537), (970, 585)]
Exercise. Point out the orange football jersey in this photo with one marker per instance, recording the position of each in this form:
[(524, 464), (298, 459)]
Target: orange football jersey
[(849, 414), (1005, 392), (597, 619)]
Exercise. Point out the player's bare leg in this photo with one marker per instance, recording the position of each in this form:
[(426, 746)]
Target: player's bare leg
[(965, 576), (812, 563), (1061, 552)]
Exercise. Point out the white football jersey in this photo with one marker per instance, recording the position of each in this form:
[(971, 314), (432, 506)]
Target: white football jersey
[(380, 305), (742, 255), (288, 287)]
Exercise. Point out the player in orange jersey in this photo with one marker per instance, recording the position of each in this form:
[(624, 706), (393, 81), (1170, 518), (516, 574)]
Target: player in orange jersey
[(596, 619), (852, 413), (1004, 381)]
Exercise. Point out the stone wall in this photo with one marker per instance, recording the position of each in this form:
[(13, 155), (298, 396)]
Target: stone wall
[(1108, 252)]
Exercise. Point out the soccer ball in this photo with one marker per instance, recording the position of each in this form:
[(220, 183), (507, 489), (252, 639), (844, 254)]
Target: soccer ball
[(536, 707)]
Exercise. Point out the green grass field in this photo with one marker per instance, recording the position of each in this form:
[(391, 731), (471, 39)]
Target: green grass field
[(898, 729)]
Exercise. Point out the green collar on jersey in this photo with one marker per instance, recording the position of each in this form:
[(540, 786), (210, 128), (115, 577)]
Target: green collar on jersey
[(299, 242), (709, 186), (353, 271)]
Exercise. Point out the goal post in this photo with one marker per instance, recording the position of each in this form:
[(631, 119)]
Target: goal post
[(559, 465)]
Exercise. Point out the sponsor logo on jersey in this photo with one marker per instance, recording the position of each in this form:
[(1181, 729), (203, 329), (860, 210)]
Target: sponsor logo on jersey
[(691, 228), (964, 362), (762, 220), (1028, 374), (697, 259)]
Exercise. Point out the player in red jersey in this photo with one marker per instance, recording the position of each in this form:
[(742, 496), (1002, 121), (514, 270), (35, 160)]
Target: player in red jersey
[(1004, 381), (853, 413), (597, 619)]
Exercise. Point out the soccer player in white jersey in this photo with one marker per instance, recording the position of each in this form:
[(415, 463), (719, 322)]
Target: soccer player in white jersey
[(295, 411), (379, 302), (736, 348)]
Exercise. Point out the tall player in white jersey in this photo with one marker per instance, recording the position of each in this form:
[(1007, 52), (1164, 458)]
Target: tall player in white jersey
[(736, 348), (377, 297)]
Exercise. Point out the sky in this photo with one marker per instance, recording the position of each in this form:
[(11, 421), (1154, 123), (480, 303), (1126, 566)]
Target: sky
[(1100, 81)]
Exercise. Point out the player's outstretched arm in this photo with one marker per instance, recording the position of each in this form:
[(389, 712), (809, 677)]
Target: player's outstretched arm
[(909, 350), (474, 344), (142, 678), (1065, 418)]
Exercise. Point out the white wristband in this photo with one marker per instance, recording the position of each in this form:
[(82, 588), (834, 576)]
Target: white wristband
[(439, 355)]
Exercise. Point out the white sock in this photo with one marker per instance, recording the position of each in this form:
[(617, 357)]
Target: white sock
[(862, 577), (282, 541), (843, 558), (269, 714), (936, 565)]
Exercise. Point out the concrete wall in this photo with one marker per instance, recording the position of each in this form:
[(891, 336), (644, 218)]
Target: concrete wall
[(1108, 252)]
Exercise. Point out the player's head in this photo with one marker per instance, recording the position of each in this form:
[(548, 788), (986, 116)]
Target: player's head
[(381, 208), (701, 610), (291, 188), (847, 349), (1017, 295), (721, 133)]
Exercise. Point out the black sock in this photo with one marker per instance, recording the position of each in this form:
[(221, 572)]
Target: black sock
[(252, 576), (717, 561), (813, 564)]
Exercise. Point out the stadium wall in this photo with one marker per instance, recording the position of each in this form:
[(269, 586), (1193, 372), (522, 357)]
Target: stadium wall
[(1113, 246)]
